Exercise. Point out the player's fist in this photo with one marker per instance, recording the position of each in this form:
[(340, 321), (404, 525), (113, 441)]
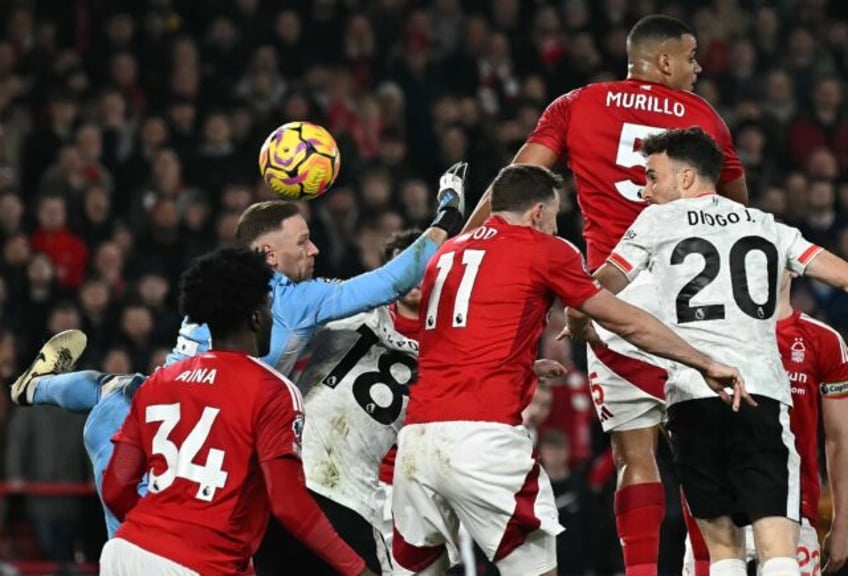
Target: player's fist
[(451, 199)]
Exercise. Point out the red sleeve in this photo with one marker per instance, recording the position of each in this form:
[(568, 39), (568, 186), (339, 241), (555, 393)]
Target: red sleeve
[(552, 128), (121, 478), (833, 364), (565, 272), (293, 506), (279, 421), (732, 169)]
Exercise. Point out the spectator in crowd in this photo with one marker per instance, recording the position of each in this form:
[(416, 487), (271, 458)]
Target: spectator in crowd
[(129, 134)]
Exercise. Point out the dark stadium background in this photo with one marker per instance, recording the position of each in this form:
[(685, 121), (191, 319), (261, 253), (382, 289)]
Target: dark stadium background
[(140, 121)]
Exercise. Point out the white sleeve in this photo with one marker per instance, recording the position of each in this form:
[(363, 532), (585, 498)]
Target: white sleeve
[(634, 250), (798, 250)]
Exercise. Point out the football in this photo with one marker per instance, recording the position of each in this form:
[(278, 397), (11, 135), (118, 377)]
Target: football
[(299, 160)]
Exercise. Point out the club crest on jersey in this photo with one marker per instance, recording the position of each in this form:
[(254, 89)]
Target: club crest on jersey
[(798, 350)]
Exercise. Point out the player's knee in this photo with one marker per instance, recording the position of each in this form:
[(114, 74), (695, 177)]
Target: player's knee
[(634, 452), (775, 537)]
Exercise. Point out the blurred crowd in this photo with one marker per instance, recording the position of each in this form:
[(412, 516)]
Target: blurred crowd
[(129, 132)]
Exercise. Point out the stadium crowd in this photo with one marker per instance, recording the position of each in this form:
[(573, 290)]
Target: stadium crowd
[(129, 132)]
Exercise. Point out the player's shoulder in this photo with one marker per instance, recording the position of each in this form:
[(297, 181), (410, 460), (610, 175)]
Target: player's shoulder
[(821, 332), (269, 380)]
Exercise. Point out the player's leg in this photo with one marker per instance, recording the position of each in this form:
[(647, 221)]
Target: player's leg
[(501, 494), (45, 380), (726, 544), (628, 389), (424, 523), (103, 421), (698, 430), (696, 559), (764, 467)]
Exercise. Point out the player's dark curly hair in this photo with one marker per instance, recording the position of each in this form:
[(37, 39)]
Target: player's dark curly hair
[(223, 288), (690, 145), (263, 217), (518, 187), (657, 27), (398, 242)]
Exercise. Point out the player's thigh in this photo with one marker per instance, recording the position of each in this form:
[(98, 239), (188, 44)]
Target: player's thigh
[(762, 462), (627, 392), (424, 522), (122, 558), (697, 443), (809, 553), (497, 489)]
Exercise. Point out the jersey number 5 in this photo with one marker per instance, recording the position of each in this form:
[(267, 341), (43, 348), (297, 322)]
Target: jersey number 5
[(471, 259), (210, 476), (628, 156)]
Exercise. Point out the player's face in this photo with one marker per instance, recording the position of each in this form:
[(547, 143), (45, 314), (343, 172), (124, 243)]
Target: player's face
[(662, 180), (683, 67), (289, 249)]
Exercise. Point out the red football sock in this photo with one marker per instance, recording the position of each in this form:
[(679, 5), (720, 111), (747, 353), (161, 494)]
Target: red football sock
[(639, 513), (699, 547)]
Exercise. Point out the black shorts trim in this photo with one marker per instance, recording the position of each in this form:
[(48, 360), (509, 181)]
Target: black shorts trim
[(738, 464)]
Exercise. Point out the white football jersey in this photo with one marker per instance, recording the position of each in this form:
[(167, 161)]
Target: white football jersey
[(717, 265), (356, 387)]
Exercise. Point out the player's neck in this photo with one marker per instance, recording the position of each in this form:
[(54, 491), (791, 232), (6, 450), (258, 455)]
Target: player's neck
[(784, 307), (698, 192), (242, 343), (642, 71)]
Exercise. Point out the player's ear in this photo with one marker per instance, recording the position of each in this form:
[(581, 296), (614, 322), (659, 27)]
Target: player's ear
[(255, 322)]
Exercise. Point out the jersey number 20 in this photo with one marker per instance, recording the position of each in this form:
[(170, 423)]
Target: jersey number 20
[(738, 278), (179, 460)]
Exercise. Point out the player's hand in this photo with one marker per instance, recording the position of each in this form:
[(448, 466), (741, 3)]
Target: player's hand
[(451, 199), (720, 377), (546, 368), (578, 326), (834, 552)]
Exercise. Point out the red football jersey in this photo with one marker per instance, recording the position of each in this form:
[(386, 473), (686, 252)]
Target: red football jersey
[(484, 299), (599, 129), (816, 360), (206, 424)]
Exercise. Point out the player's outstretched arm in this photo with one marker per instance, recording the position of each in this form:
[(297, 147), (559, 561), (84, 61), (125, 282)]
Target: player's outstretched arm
[(332, 301), (835, 418), (645, 331), (530, 153), (830, 269), (578, 325), (293, 506)]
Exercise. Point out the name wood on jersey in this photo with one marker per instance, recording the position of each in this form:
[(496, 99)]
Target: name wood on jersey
[(198, 375), (646, 103)]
